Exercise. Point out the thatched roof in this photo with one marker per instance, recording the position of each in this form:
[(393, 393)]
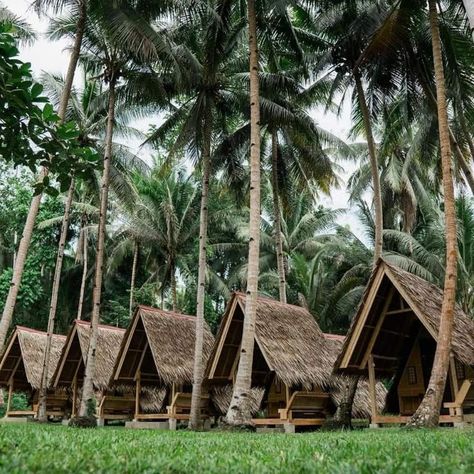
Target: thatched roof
[(423, 298), (361, 406), (221, 397), (162, 344), (76, 349), (288, 336), (27, 347)]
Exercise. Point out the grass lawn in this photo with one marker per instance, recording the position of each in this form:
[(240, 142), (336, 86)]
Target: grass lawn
[(35, 448)]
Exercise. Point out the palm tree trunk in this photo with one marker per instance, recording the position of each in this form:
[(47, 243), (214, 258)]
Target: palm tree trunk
[(174, 298), (19, 266), (53, 306), (84, 274), (469, 7), (374, 169), (343, 416), (198, 371), (239, 412), (35, 202), (132, 280), (277, 220), (427, 414), (80, 26), (87, 387)]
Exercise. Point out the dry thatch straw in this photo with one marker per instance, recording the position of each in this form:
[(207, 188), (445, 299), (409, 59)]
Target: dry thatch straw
[(152, 399), (291, 341), (222, 395), (108, 344), (361, 406), (29, 345), (170, 337), (425, 299)]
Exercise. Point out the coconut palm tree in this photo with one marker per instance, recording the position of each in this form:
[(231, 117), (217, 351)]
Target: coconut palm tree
[(238, 413)]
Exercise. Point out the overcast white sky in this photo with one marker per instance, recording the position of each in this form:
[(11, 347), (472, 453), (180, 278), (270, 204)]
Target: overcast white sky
[(53, 57)]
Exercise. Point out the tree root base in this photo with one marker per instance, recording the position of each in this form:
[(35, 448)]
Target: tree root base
[(83, 422)]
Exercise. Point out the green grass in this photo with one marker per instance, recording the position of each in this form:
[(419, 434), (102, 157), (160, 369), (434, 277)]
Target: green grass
[(35, 448)]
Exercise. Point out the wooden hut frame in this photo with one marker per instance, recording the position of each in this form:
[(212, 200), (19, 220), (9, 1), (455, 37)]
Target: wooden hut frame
[(71, 368), (21, 368), (158, 351), (393, 336), (292, 363)]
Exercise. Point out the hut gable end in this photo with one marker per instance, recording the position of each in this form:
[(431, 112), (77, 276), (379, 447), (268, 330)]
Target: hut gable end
[(160, 344), (396, 307)]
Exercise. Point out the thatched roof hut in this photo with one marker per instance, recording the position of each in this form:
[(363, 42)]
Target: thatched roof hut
[(290, 349), (393, 336), (422, 300), (23, 358), (288, 341), (161, 345), (74, 354)]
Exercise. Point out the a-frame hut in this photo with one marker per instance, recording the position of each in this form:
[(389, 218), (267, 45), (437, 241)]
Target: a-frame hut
[(292, 380), (157, 358), (393, 336), (21, 367), (71, 369)]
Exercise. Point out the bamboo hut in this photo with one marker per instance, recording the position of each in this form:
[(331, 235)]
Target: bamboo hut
[(394, 335), (71, 369), (21, 369), (292, 380), (156, 358)]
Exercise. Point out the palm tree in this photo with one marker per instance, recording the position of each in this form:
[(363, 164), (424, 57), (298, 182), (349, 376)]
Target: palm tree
[(10, 302), (21, 28), (238, 413)]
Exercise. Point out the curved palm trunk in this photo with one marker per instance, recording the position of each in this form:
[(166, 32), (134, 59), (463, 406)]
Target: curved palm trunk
[(132, 280), (81, 23), (33, 211), (277, 221), (87, 388), (427, 414), (198, 371), (53, 307), (238, 412), (343, 415), (19, 266), (84, 275), (374, 169)]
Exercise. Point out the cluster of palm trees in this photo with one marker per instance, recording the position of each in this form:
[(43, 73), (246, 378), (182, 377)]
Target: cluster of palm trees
[(230, 201)]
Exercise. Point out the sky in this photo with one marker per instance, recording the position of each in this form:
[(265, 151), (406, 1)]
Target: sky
[(52, 57)]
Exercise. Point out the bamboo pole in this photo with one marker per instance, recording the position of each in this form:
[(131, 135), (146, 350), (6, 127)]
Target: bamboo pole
[(372, 390)]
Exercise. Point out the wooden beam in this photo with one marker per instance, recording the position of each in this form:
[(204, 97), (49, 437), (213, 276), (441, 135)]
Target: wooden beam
[(399, 311), (220, 343), (140, 362), (10, 395), (138, 389), (390, 331), (383, 357), (74, 396), (364, 312), (378, 326), (372, 389)]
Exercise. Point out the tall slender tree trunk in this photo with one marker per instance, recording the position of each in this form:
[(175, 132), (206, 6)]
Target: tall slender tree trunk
[(53, 307), (239, 410), (427, 414), (88, 387), (462, 162), (84, 273), (277, 220), (132, 280), (80, 26), (374, 169), (469, 7), (35, 202), (198, 371), (174, 297)]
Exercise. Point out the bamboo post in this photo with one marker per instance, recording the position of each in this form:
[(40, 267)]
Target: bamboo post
[(455, 386), (138, 388), (372, 391), (10, 395), (74, 396)]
